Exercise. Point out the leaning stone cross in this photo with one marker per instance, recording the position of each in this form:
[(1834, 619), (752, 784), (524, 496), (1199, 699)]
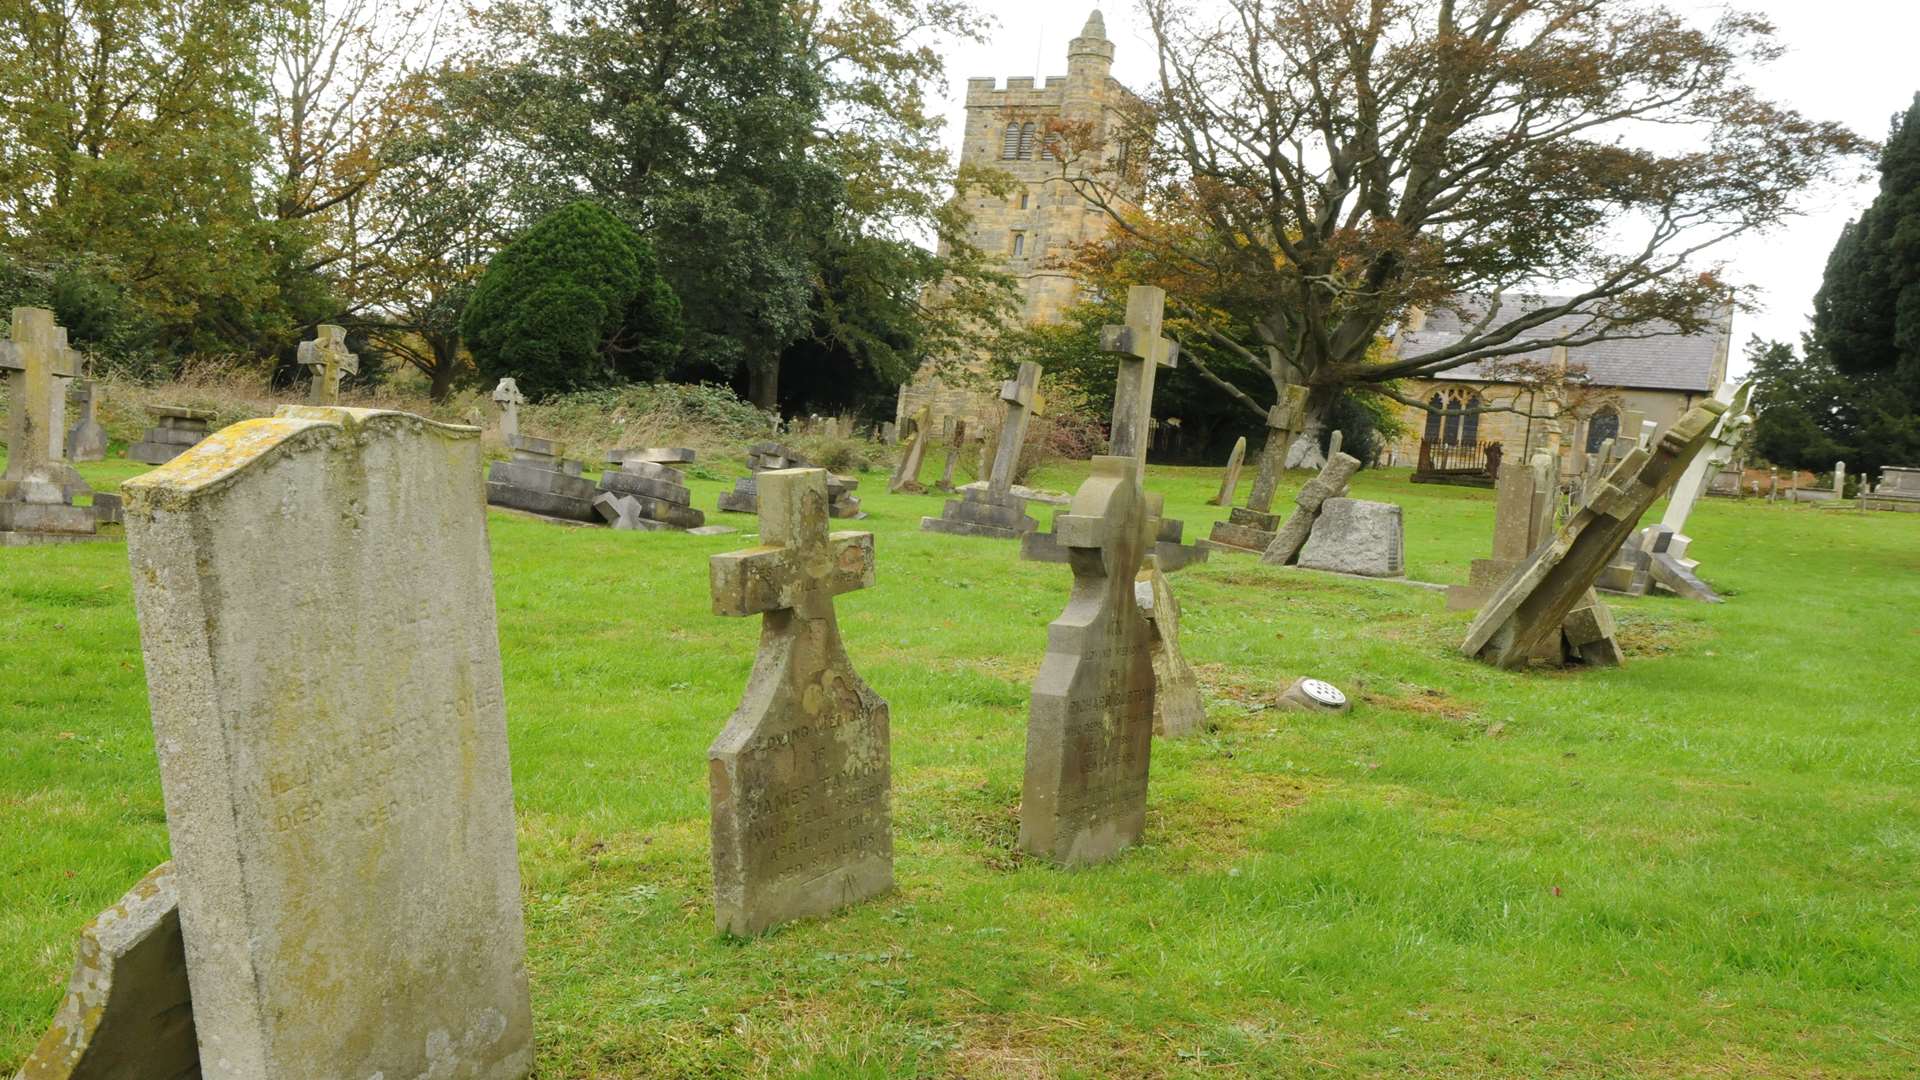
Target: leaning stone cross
[(1090, 718), (1284, 422), (1141, 350), (35, 360), (1022, 397), (507, 395), (800, 779), (327, 357)]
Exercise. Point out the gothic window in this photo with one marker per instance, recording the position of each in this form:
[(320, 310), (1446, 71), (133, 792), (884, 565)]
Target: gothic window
[(1435, 406), (1026, 142), (1470, 422), (1604, 425), (1010, 143), (1451, 435), (1019, 244)]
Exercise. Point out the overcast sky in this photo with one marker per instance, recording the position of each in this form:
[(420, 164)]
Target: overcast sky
[(1850, 61)]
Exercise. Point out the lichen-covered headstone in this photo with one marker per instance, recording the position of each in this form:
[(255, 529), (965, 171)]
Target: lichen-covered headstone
[(38, 485), (1231, 481), (1090, 718), (317, 617), (800, 779), (1178, 708), (128, 1014), (326, 356), (87, 440)]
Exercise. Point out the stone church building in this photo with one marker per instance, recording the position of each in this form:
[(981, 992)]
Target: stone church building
[(1654, 378), (1038, 224)]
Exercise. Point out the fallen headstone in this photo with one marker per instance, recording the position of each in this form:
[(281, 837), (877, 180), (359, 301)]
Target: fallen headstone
[(647, 494), (1283, 544), (541, 479), (772, 457), (800, 779), (332, 747)]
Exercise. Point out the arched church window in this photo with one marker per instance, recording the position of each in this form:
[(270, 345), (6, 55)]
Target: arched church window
[(1435, 407), (1604, 425), (1470, 422), (1451, 436), (1026, 142), (1019, 244), (1010, 143)]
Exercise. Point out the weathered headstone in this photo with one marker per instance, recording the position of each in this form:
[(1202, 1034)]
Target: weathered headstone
[(1250, 529), (508, 397), (889, 433), (1355, 536), (1231, 481), (957, 438), (996, 511), (1839, 480), (800, 779), (772, 457), (647, 494), (906, 474), (326, 356), (333, 747), (1090, 720), (88, 440), (625, 513), (1522, 521), (128, 1014), (1178, 708), (1140, 351), (1544, 590), (174, 430), (1284, 544), (38, 486)]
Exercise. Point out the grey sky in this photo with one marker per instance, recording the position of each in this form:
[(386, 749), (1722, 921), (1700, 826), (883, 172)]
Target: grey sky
[(1847, 60)]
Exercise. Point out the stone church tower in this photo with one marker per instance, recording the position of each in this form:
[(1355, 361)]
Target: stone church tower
[(1033, 229), (1008, 130)]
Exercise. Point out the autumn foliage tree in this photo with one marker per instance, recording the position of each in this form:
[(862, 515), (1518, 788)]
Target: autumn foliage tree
[(1331, 164)]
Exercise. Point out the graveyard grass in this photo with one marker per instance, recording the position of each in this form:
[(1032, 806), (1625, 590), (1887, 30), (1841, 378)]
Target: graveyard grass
[(1704, 864)]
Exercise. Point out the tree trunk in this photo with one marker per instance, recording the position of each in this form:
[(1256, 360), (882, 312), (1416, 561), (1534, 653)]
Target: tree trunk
[(1305, 452), (446, 361), (763, 386)]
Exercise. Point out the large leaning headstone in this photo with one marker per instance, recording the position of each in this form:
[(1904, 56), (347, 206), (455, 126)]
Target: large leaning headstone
[(906, 474), (800, 779), (127, 1014), (1090, 719), (996, 511), (1558, 578), (1285, 543), (317, 616)]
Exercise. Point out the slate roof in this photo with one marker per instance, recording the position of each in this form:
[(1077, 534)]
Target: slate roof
[(1670, 361)]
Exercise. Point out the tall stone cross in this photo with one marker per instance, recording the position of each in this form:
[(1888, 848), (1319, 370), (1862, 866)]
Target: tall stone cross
[(37, 362), (327, 357), (507, 395), (1022, 397), (800, 778), (1284, 423), (1090, 718), (1142, 351)]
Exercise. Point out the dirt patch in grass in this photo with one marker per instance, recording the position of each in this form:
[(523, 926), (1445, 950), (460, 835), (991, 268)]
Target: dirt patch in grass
[(1649, 633), (1218, 809)]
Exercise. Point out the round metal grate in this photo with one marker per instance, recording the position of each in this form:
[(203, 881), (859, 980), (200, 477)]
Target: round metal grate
[(1323, 692)]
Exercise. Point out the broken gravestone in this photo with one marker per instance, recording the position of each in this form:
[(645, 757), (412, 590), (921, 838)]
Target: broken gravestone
[(1090, 720), (1558, 578), (1178, 708), (333, 748), (906, 474), (1284, 544), (800, 779)]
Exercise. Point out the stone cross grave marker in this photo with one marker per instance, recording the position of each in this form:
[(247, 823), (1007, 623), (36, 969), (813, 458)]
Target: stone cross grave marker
[(37, 361), (1021, 398), (1331, 483), (997, 511), (1090, 719), (956, 440), (1284, 422), (906, 475), (326, 356), (508, 397), (800, 778), (1230, 482), (1557, 580), (1141, 352), (87, 441), (333, 747)]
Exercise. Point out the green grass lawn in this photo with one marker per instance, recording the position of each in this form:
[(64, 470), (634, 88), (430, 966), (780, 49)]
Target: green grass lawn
[(1704, 864)]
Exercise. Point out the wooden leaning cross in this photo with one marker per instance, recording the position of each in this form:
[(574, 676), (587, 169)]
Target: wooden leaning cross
[(799, 779), (1141, 350)]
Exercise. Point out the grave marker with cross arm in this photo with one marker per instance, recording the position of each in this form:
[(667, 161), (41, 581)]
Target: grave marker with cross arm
[(37, 362), (326, 356), (507, 395), (1022, 397), (800, 779), (1141, 351), (1284, 422)]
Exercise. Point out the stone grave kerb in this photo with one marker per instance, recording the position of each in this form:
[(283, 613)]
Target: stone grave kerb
[(1141, 351), (326, 356)]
